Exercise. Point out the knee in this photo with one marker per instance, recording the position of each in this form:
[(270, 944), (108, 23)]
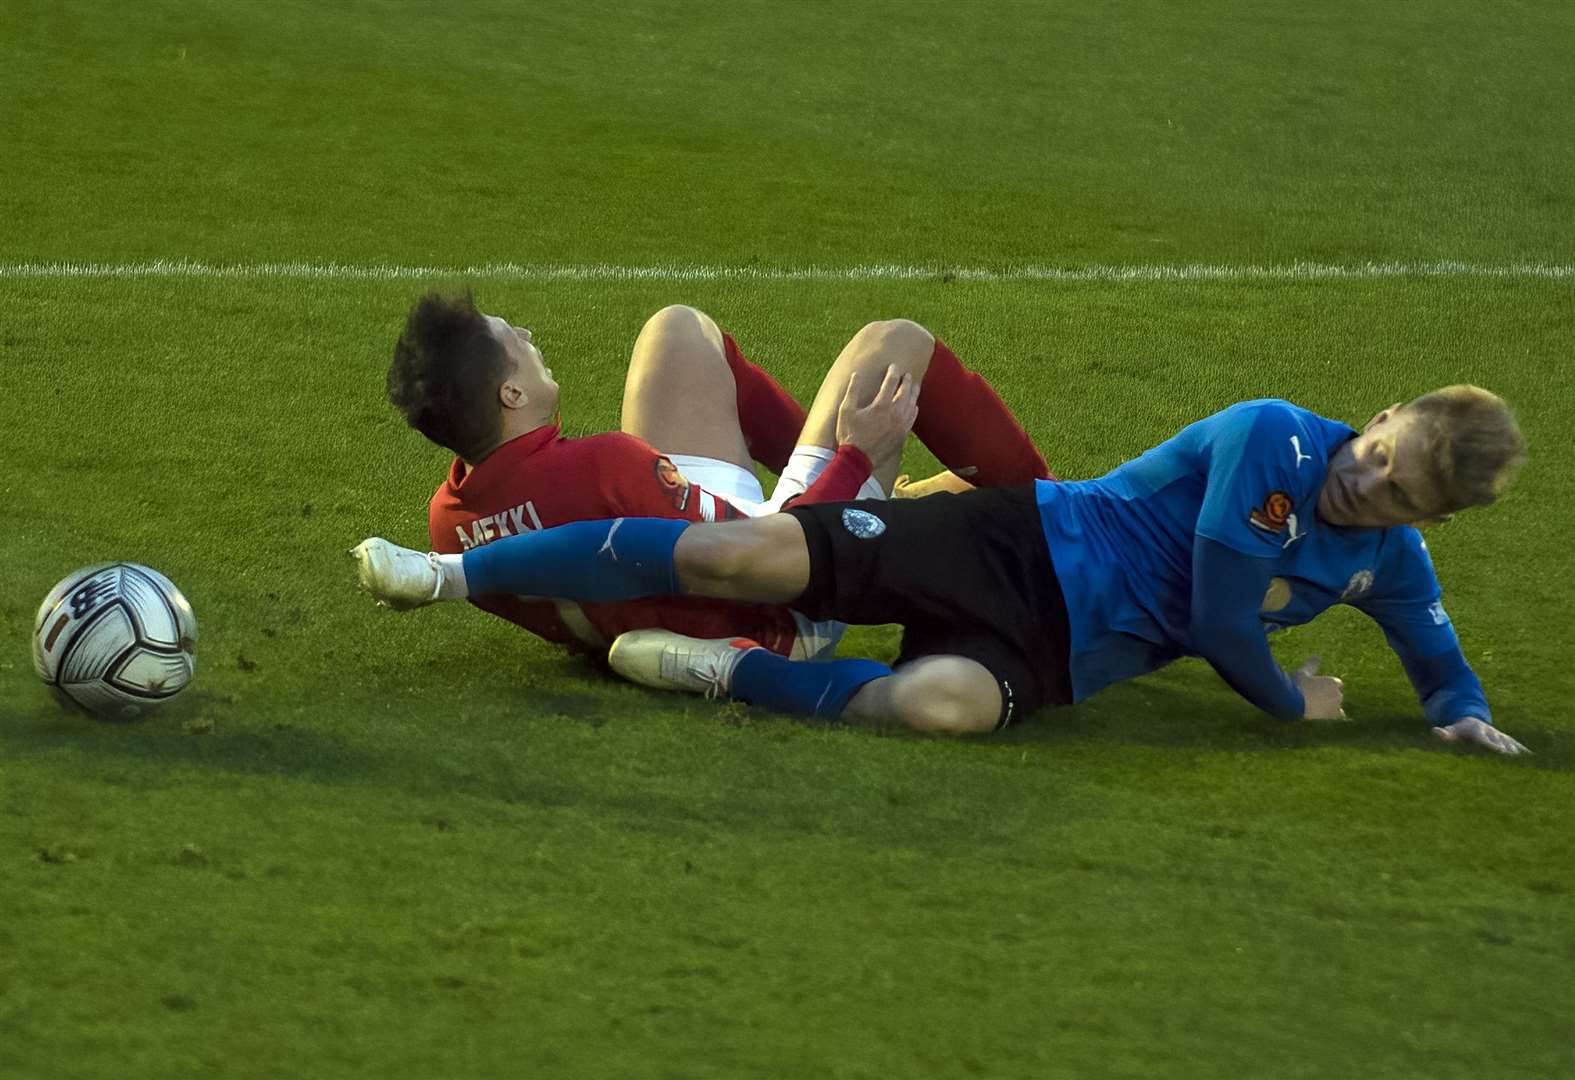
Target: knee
[(940, 715), (898, 341), (674, 341), (678, 321), (709, 556), (940, 704), (945, 695)]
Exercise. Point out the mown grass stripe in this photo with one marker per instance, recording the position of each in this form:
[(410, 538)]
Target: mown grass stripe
[(1296, 271)]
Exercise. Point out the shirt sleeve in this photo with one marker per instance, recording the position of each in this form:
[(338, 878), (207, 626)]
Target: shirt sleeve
[(1408, 605), (636, 481), (1227, 592), (1261, 486)]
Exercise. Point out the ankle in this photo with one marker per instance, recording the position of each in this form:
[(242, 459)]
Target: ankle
[(451, 577)]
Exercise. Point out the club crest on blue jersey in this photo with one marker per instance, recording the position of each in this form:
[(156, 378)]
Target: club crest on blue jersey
[(1273, 514), (862, 524), (1278, 596)]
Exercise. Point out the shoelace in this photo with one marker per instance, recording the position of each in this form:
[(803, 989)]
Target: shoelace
[(703, 667), (437, 572)]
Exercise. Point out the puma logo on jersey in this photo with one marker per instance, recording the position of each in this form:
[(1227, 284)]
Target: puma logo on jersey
[(1296, 445), (1291, 527)]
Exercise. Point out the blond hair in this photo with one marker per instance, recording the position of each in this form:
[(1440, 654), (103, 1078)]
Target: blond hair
[(1473, 445)]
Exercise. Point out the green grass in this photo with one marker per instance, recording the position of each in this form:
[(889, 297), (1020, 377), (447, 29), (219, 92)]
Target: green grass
[(925, 131), (428, 845)]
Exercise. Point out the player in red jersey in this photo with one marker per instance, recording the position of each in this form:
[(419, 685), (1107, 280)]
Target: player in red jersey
[(696, 415)]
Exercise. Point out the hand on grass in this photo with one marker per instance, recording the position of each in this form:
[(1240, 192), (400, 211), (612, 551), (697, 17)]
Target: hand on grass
[(1324, 694), (1474, 732), (878, 426)]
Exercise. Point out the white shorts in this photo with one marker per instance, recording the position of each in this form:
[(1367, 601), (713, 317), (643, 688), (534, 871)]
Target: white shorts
[(741, 488)]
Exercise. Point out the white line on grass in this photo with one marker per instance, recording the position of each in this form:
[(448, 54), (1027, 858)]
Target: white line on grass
[(1295, 271)]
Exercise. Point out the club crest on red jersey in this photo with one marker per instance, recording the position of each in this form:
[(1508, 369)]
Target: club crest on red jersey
[(673, 484), (1273, 514)]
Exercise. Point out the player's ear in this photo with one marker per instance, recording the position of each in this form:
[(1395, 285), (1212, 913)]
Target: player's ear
[(511, 395), (1381, 416)]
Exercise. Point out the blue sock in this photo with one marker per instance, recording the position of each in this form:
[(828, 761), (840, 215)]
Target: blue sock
[(821, 689), (602, 561)]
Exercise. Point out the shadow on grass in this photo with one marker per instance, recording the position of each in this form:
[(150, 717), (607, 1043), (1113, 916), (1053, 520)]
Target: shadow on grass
[(499, 749), (182, 736), (1170, 713)]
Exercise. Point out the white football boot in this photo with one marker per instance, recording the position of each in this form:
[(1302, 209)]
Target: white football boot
[(397, 577), (664, 660)]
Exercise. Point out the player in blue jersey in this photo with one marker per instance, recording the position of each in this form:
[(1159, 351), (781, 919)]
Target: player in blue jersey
[(1258, 517)]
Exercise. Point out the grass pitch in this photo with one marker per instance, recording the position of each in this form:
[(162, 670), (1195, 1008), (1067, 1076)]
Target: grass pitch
[(426, 845)]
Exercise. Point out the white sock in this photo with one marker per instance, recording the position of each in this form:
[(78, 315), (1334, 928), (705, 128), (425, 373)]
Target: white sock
[(804, 467), (805, 464), (451, 577), (729, 664)]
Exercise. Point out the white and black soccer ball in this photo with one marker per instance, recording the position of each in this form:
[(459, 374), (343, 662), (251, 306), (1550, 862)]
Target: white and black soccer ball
[(117, 639)]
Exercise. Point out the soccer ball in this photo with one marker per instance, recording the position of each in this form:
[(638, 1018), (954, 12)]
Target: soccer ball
[(116, 639)]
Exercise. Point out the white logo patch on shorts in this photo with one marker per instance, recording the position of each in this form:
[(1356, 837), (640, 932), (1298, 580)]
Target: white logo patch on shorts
[(1360, 585), (862, 524)]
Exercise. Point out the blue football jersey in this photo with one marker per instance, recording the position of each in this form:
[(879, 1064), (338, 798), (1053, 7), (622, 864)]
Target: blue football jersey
[(1247, 478)]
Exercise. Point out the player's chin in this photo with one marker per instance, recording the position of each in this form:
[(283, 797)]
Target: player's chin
[(1331, 512), (1357, 520)]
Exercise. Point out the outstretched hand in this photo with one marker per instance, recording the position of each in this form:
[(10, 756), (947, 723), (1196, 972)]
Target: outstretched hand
[(878, 426), (1474, 732), (1324, 694)]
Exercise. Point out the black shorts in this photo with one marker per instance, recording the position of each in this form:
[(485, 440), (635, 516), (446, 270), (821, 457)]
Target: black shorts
[(965, 575)]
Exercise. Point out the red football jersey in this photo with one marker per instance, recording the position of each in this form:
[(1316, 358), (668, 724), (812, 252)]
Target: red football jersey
[(542, 479)]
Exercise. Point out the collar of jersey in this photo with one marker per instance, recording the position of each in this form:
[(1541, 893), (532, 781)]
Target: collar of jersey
[(503, 458)]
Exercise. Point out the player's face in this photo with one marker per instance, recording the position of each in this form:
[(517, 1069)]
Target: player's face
[(531, 385), (1379, 478)]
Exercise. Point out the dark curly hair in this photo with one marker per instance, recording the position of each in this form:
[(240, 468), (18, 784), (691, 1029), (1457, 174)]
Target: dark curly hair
[(446, 372)]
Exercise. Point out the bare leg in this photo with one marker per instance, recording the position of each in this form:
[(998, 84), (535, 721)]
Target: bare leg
[(895, 342), (763, 559), (934, 694), (679, 395)]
